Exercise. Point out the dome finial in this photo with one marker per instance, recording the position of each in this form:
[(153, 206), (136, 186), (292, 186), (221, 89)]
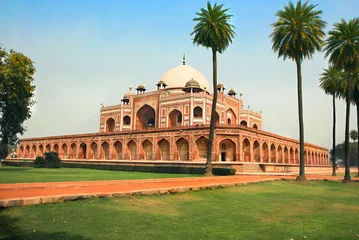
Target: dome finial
[(184, 59)]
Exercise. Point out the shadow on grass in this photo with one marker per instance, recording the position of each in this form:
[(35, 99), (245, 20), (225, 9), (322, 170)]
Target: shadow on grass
[(10, 169), (9, 229)]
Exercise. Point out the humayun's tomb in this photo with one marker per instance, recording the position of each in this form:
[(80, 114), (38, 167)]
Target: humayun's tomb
[(170, 125)]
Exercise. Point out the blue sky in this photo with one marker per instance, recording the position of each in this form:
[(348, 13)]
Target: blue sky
[(89, 52)]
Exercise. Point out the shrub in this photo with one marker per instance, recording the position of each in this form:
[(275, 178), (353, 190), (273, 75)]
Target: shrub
[(39, 162), (223, 171), (51, 160)]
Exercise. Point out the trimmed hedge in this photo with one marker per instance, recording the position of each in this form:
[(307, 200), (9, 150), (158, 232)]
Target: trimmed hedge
[(223, 171), (18, 164), (51, 160), (134, 168), (154, 169)]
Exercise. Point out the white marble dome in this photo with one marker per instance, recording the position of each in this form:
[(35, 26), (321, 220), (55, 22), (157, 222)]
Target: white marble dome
[(178, 77)]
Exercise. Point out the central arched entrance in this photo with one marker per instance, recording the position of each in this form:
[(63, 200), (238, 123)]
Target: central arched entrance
[(227, 151), (145, 118)]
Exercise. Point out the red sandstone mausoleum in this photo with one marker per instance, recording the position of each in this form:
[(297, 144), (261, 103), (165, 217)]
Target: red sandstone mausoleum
[(170, 125)]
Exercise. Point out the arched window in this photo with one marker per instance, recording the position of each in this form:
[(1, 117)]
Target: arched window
[(126, 120), (110, 125), (197, 112), (243, 123), (255, 126)]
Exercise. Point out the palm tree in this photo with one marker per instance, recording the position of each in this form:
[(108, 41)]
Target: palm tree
[(330, 83), (213, 30), (297, 34), (342, 47)]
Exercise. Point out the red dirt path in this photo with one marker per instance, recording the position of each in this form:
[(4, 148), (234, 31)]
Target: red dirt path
[(21, 191)]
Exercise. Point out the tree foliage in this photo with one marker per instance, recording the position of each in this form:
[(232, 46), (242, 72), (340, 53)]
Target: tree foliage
[(342, 48), (16, 96), (213, 30), (331, 81), (297, 34)]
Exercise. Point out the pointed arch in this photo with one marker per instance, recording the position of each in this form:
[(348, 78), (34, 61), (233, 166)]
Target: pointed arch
[(147, 149), (265, 152), (126, 120), (164, 148), (255, 126), (83, 151), (27, 151), (145, 118), (56, 148), (110, 125), (217, 118), (131, 150), (256, 151), (313, 158), (201, 148), (227, 150), (73, 149), (33, 151), (231, 116), (48, 148), (93, 151), (280, 154), (117, 146), (246, 150), (273, 155), (22, 154), (243, 123), (105, 150), (182, 148), (286, 155), (198, 112), (175, 118), (296, 156), (291, 155), (41, 150), (63, 151)]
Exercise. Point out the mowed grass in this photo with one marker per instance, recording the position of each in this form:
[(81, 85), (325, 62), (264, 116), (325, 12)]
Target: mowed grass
[(272, 210), (30, 174)]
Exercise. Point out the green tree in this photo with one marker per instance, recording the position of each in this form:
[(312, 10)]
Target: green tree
[(16, 92), (213, 30), (353, 135), (297, 34), (342, 47), (330, 82)]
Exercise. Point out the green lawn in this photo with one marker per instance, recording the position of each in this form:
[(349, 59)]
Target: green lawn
[(30, 174), (273, 210)]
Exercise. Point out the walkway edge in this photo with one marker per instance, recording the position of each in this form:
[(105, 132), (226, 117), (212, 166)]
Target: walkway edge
[(14, 202)]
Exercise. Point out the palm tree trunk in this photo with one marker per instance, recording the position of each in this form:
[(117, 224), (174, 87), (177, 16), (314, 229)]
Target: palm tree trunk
[(208, 169), (301, 176), (357, 104), (334, 123), (347, 177)]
